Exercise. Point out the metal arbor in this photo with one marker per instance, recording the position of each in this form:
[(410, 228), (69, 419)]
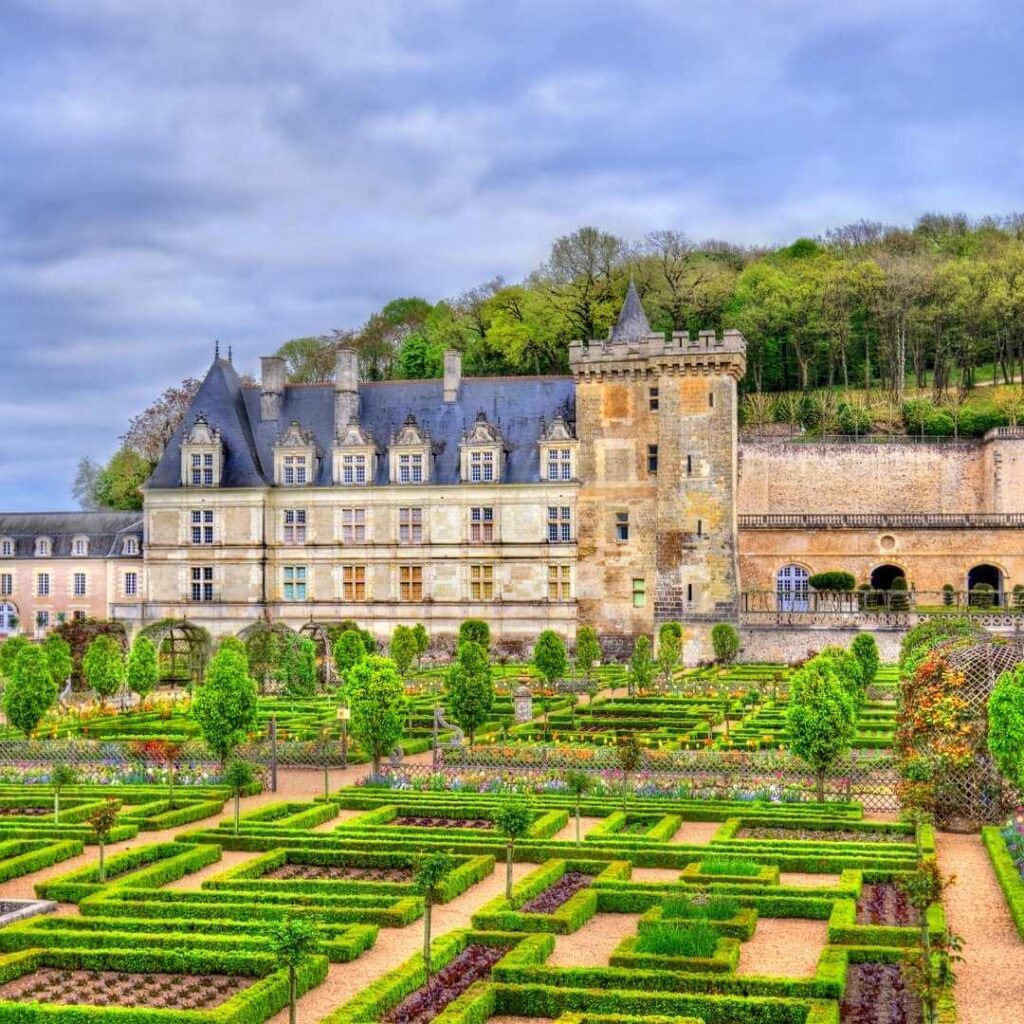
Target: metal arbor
[(320, 635), (182, 647)]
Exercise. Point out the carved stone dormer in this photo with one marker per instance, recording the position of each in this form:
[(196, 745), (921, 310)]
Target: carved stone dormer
[(354, 456), (559, 451), (409, 453), (482, 452), (296, 459), (202, 455)]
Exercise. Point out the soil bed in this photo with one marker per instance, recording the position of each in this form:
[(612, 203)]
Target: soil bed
[(472, 964), (443, 822), (878, 994), (115, 988), (885, 903), (555, 895), (24, 812), (337, 872), (834, 835)]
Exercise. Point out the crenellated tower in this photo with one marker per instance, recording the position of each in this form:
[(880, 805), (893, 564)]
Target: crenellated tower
[(656, 419)]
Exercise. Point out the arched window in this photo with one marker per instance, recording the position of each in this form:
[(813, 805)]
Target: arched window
[(979, 579), (791, 588), (80, 547), (44, 547), (882, 576), (8, 617), (131, 546), (6, 547)]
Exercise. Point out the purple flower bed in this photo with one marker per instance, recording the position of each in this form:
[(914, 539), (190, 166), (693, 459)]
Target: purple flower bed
[(885, 903), (878, 994), (555, 895), (472, 964)]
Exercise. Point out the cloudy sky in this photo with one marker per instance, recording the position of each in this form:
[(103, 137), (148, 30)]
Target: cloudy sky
[(174, 171)]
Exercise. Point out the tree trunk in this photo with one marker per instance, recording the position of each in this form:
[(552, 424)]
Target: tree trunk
[(508, 870), (56, 807), (291, 995), (820, 780), (577, 821), (103, 865), (426, 936), (238, 801), (376, 764)]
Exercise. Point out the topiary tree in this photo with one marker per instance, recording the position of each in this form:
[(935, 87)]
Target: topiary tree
[(549, 657), (9, 651), (588, 651), (58, 657), (376, 696), (630, 756), (292, 940), (422, 638), (834, 581), (238, 774), (848, 671), (948, 594), (578, 783), (865, 650), (61, 776), (512, 820), (143, 671), (403, 649), (820, 718), (641, 665), (30, 690), (348, 650), (470, 688), (983, 595), (103, 820), (297, 665), (725, 642), (430, 876), (1006, 726), (225, 705), (103, 666), (670, 650), (475, 631), (899, 600)]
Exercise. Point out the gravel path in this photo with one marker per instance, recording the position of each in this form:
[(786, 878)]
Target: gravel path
[(789, 947), (696, 832), (593, 943), (990, 981), (806, 880), (568, 834)]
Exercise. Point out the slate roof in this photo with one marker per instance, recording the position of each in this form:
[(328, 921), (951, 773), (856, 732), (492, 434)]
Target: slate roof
[(632, 324), (105, 531), (520, 406)]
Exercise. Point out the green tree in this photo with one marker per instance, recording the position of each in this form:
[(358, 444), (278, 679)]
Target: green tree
[(103, 666), (430, 876), (143, 671), (470, 688), (549, 657), (62, 775), (865, 650), (1006, 725), (630, 756), (899, 601), (30, 691), (238, 774), (292, 940), (263, 651), (119, 483), (475, 631), (309, 360), (348, 650), (403, 649), (58, 657), (820, 718), (512, 819), (9, 651), (225, 705), (670, 650), (297, 665), (377, 698), (588, 651), (422, 638), (641, 665), (578, 784), (848, 670), (103, 820), (725, 641)]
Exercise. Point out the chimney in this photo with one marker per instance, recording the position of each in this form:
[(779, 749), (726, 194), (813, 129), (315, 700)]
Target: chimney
[(452, 374), (273, 375), (346, 389)]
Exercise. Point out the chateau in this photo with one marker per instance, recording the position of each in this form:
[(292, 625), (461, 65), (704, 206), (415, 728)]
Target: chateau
[(620, 496)]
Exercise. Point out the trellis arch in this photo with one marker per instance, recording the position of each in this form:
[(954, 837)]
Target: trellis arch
[(319, 633), (183, 648), (248, 634)]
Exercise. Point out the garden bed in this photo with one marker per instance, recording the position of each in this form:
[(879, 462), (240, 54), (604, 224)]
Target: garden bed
[(836, 835), (886, 903), (340, 872), (878, 994), (557, 894), (431, 822), (117, 988)]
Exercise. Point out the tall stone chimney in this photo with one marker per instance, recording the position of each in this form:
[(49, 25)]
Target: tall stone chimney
[(346, 389), (273, 374), (452, 374)]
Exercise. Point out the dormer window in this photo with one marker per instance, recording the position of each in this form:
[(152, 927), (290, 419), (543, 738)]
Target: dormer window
[(6, 547), (558, 448), (201, 455), (44, 547), (482, 452), (355, 457), (130, 546), (410, 454), (295, 457), (80, 547)]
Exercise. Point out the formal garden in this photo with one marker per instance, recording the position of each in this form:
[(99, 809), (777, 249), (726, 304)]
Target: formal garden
[(304, 826)]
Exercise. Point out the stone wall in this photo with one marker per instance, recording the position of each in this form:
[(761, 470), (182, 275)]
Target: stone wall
[(761, 644)]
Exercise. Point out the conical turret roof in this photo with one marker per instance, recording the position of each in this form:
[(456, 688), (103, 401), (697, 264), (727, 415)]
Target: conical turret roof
[(632, 323)]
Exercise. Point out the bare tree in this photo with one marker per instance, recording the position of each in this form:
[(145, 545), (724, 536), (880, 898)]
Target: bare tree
[(149, 431)]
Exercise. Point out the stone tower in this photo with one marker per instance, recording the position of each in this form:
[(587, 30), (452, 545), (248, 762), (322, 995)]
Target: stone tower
[(656, 419)]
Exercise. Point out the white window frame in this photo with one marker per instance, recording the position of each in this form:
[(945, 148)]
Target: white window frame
[(293, 526), (295, 583), (79, 585), (410, 531), (559, 581), (131, 584), (43, 584), (482, 524), (201, 584), (353, 525), (201, 526), (559, 524)]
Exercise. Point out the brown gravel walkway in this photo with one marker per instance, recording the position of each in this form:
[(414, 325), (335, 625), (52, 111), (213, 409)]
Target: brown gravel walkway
[(696, 832), (568, 834), (593, 943), (788, 947), (990, 981)]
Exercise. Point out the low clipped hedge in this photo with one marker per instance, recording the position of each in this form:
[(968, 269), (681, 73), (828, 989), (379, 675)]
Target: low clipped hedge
[(724, 961), (287, 814), (740, 926), (1006, 871), (21, 857), (145, 867), (162, 814), (844, 930)]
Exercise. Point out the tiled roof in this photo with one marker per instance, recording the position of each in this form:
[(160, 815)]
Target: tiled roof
[(105, 530)]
